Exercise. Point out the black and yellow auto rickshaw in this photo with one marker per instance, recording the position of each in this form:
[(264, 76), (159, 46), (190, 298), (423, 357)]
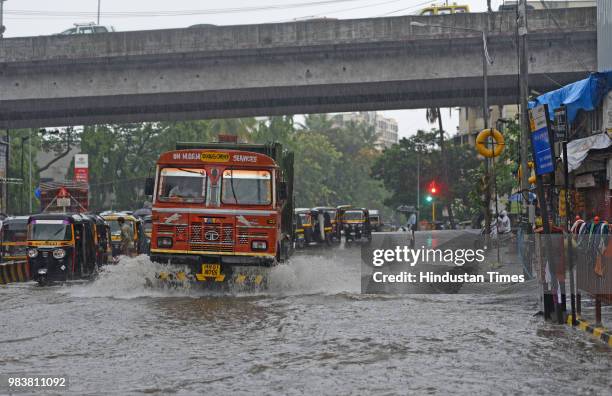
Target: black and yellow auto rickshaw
[(147, 223), (14, 238), (375, 220), (137, 229), (102, 237), (302, 219), (325, 217), (61, 247), (356, 225)]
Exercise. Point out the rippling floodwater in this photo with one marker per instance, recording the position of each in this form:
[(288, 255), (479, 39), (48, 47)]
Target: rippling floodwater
[(312, 333)]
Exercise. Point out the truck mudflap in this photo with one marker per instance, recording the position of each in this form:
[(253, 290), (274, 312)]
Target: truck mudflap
[(212, 276)]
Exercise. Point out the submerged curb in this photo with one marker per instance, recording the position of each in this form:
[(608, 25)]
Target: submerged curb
[(600, 333), (14, 271)]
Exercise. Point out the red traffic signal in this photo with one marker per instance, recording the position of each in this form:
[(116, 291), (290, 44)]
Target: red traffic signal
[(433, 188)]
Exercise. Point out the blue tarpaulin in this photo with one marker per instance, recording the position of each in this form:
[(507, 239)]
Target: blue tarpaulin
[(585, 94)]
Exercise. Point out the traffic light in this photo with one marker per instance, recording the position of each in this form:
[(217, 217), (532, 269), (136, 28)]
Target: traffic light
[(433, 188), (429, 198)]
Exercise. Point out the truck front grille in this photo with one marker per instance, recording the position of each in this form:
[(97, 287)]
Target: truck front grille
[(212, 237)]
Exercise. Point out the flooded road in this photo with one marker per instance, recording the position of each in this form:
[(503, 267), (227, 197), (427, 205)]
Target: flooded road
[(312, 332)]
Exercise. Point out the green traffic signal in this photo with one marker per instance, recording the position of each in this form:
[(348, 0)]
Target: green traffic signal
[(429, 198)]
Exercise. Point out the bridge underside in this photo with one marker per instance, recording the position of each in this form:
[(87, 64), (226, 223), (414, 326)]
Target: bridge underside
[(291, 68), (389, 95)]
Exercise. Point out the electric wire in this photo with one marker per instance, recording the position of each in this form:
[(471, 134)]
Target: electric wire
[(139, 14)]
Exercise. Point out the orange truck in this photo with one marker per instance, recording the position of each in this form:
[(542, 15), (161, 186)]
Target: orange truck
[(222, 212)]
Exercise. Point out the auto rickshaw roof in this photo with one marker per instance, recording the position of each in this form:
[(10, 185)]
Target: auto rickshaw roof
[(116, 216), (16, 220), (302, 210), (95, 218), (70, 217), (325, 208)]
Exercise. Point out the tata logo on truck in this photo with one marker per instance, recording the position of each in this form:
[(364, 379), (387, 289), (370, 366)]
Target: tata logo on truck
[(211, 235)]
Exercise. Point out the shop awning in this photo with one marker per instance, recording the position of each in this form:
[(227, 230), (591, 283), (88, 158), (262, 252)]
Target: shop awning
[(577, 150), (585, 95)]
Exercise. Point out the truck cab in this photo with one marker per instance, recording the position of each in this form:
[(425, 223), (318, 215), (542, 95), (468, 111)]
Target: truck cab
[(219, 206)]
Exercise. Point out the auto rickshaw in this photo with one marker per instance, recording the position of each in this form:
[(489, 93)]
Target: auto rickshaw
[(14, 238), (330, 224), (61, 247), (375, 220), (147, 222), (115, 228), (303, 227), (102, 236), (356, 225)]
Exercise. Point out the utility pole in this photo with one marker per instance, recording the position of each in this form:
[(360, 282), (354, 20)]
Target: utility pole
[(99, 11), (524, 93), (485, 117), (449, 206), (30, 170), (2, 27)]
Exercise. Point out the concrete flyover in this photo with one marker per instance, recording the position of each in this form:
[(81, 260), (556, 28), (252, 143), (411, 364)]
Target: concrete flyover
[(288, 68)]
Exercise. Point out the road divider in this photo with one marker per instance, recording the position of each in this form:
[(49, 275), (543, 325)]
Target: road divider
[(599, 332), (14, 271)]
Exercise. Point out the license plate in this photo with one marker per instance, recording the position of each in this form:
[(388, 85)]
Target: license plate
[(211, 270)]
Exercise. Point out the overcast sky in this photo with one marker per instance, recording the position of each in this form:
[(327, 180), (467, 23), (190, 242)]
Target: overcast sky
[(41, 17)]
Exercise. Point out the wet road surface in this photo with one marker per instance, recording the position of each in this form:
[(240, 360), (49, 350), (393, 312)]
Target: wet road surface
[(312, 332)]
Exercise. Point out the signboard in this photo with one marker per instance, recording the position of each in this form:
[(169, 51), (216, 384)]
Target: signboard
[(561, 124), (540, 140), (63, 202), (585, 181), (81, 168)]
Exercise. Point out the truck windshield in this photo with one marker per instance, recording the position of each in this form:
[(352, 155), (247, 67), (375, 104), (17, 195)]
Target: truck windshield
[(353, 215), (246, 187), (182, 185), (14, 232), (50, 230)]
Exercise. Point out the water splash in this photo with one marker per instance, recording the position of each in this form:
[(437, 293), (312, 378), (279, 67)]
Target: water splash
[(307, 274), (126, 280)]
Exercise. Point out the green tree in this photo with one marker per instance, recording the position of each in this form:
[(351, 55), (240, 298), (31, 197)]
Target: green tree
[(23, 142)]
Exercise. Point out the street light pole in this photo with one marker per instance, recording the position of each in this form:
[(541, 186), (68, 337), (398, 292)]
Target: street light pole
[(2, 28), (99, 11)]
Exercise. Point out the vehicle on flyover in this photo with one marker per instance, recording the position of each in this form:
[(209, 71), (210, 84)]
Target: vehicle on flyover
[(14, 238), (61, 247), (222, 212), (87, 28), (444, 9)]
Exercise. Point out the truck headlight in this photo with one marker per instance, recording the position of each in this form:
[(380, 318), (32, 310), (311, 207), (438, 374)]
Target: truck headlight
[(59, 254), (259, 245), (164, 242), (32, 253)]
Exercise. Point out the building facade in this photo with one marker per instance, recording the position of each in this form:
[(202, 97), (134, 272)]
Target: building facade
[(386, 129)]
